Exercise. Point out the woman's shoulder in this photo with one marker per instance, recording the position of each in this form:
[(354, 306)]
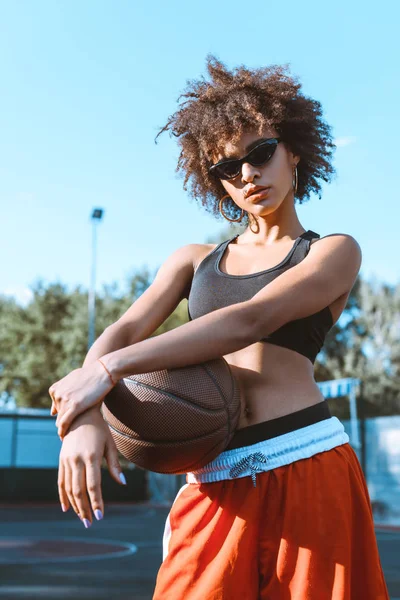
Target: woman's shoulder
[(193, 253), (337, 240), (342, 247), (200, 251)]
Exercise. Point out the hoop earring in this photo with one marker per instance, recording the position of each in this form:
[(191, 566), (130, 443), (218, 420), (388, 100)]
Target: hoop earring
[(224, 215), (295, 180), (253, 221)]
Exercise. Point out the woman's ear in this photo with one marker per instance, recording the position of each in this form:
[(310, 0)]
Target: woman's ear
[(296, 160)]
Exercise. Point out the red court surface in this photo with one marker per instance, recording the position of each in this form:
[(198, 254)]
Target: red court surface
[(50, 555)]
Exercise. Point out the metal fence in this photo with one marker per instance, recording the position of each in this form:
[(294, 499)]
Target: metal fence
[(28, 439)]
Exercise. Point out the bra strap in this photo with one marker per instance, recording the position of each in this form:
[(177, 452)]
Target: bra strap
[(309, 235)]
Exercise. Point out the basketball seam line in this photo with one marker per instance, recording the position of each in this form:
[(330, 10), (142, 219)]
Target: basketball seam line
[(221, 394), (140, 439), (150, 387)]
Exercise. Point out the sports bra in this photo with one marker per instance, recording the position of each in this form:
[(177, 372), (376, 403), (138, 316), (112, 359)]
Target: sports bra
[(212, 289)]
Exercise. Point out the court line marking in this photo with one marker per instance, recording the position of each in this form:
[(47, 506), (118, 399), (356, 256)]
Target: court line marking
[(129, 550), (59, 519), (28, 592)]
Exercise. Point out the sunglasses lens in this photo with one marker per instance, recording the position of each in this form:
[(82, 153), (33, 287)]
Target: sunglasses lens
[(228, 170), (262, 154)]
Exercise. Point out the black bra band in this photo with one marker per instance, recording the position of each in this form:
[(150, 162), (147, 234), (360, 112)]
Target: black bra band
[(274, 427)]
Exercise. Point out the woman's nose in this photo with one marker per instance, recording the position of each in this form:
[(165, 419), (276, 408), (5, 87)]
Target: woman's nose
[(249, 172)]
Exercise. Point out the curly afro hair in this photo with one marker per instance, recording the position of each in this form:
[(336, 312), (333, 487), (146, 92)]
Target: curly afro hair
[(220, 110)]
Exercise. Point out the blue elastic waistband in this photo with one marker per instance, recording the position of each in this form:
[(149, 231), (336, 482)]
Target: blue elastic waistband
[(272, 453)]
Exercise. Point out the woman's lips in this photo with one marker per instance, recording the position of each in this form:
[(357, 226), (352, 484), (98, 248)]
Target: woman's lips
[(259, 195)]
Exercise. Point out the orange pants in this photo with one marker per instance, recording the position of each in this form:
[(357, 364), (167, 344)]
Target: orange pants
[(305, 532)]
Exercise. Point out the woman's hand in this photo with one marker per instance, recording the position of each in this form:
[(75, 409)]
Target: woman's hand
[(78, 391), (79, 475)]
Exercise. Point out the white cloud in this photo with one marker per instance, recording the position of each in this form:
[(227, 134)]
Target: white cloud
[(345, 141), (21, 294)]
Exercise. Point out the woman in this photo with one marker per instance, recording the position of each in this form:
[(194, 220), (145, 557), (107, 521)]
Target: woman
[(284, 512)]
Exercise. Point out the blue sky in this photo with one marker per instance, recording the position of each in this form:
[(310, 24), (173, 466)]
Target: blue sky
[(85, 86)]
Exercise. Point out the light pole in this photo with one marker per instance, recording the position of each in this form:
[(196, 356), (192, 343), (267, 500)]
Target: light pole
[(97, 215)]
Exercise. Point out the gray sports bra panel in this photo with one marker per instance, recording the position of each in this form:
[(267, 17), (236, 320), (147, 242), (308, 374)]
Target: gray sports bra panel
[(212, 289)]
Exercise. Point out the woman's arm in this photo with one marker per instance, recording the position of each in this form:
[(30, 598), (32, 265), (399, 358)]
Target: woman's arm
[(144, 316), (89, 439), (328, 272), (211, 336), (113, 338)]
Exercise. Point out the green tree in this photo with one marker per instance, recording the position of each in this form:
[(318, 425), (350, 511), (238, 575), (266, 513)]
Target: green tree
[(48, 338), (31, 342), (365, 344)]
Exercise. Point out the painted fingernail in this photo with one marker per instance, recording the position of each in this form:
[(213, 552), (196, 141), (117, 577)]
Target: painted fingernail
[(98, 514), (63, 508), (122, 478), (86, 523)]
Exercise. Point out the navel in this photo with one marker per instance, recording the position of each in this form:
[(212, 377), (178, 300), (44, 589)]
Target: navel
[(246, 411)]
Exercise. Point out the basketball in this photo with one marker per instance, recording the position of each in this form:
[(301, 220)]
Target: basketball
[(174, 420)]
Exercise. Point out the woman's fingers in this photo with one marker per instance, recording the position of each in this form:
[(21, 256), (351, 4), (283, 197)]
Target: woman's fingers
[(81, 500), (69, 488), (61, 488), (77, 484), (93, 485), (111, 454), (80, 464), (65, 418), (54, 401)]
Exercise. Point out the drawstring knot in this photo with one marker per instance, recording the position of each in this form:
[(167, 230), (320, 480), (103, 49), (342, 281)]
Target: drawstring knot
[(248, 462)]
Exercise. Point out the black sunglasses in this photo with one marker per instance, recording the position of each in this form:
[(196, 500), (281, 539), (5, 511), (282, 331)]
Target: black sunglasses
[(262, 153)]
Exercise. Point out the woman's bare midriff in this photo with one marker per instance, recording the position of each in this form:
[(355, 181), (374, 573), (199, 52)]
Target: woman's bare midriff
[(274, 381)]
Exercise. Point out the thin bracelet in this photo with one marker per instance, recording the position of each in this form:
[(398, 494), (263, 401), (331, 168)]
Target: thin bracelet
[(109, 374)]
